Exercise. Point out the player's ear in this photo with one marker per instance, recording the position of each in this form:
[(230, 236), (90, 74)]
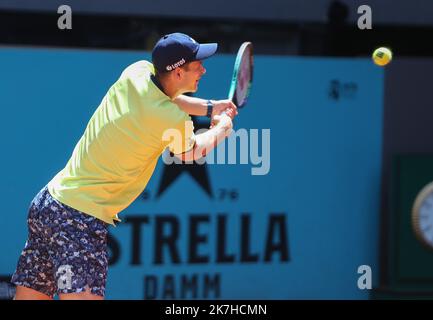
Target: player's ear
[(178, 73)]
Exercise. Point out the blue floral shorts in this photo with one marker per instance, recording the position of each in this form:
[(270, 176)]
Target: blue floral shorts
[(66, 250)]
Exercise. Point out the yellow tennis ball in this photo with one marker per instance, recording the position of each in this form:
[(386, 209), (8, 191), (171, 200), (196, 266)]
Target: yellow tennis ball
[(382, 56)]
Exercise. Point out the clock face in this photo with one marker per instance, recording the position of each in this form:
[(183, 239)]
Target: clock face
[(422, 215)]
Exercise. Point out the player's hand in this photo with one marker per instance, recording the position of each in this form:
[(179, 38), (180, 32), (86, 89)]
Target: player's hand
[(223, 121), (227, 106), (230, 113)]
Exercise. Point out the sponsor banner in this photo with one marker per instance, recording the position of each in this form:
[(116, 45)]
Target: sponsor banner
[(292, 214)]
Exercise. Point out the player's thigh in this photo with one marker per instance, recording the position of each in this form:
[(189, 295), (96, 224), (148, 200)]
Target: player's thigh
[(24, 293)]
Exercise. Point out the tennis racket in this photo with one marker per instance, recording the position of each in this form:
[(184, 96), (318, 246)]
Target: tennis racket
[(242, 78)]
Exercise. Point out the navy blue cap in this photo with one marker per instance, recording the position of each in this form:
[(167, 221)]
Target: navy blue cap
[(176, 49)]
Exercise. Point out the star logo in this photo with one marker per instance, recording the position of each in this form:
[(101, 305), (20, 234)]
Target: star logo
[(198, 172)]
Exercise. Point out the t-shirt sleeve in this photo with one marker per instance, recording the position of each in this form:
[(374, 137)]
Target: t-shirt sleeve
[(182, 137)]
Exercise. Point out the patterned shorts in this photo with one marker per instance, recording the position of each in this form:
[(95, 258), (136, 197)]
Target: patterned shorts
[(66, 250)]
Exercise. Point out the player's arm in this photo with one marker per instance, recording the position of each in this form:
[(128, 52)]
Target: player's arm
[(207, 141), (198, 107)]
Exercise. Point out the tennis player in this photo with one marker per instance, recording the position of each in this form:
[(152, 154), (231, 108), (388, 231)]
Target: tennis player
[(66, 249)]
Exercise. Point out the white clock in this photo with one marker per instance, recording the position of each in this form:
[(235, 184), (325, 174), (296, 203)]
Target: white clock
[(422, 215)]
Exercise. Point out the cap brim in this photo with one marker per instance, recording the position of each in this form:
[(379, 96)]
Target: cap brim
[(206, 50)]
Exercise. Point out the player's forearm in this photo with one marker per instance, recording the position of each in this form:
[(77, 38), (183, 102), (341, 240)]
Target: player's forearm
[(192, 105), (206, 142), (211, 138)]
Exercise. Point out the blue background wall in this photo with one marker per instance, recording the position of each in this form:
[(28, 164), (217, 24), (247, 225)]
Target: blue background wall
[(323, 183)]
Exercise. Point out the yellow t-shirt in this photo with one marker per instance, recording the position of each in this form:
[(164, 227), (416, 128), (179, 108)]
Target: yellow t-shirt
[(117, 154)]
